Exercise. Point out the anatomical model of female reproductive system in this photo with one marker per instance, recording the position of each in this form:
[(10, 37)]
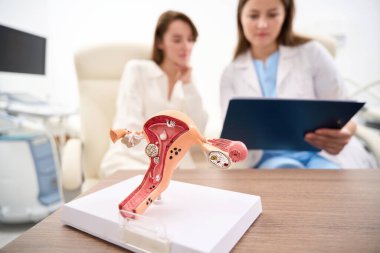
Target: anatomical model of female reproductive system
[(169, 135)]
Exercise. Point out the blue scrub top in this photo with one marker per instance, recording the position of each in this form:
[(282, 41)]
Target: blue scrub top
[(267, 75)]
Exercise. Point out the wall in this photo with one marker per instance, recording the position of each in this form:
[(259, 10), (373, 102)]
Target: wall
[(357, 24)]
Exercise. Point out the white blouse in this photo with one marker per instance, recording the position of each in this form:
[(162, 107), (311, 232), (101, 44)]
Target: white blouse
[(143, 93)]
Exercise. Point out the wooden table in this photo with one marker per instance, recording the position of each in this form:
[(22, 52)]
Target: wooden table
[(304, 211)]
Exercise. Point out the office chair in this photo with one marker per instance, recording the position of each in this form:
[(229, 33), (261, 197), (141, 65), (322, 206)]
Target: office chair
[(99, 71)]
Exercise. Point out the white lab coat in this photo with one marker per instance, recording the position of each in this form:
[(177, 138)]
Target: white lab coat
[(143, 93), (307, 72)]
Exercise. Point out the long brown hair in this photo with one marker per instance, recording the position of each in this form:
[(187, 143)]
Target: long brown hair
[(162, 26), (286, 36)]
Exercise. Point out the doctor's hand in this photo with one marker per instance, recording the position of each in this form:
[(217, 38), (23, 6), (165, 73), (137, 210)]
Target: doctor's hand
[(183, 73), (330, 140)]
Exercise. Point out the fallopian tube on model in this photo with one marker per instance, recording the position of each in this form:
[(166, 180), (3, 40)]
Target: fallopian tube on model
[(169, 135)]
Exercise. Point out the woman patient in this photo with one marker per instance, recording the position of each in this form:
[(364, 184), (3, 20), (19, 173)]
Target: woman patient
[(149, 86)]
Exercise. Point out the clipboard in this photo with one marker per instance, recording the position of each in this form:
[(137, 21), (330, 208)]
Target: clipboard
[(281, 124)]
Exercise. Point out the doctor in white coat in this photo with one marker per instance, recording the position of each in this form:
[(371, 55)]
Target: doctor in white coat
[(150, 86), (271, 61)]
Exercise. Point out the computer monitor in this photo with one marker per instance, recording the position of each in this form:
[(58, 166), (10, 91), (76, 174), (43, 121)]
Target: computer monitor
[(21, 52)]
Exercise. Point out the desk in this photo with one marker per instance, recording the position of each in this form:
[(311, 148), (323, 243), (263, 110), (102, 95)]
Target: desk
[(304, 211)]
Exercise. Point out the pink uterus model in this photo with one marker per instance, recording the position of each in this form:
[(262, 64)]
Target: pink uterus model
[(169, 135)]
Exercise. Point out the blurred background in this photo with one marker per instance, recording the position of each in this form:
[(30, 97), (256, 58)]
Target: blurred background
[(71, 25)]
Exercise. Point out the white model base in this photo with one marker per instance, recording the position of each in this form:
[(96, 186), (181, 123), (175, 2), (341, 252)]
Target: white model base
[(195, 218)]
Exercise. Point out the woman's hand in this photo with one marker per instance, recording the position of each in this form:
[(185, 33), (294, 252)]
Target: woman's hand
[(183, 73), (331, 140)]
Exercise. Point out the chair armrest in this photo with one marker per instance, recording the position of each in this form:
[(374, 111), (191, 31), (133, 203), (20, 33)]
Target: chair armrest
[(371, 138), (72, 165)]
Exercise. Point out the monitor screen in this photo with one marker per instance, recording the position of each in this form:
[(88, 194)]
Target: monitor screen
[(21, 52)]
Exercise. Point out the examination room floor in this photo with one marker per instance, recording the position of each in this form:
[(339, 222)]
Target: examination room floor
[(9, 232)]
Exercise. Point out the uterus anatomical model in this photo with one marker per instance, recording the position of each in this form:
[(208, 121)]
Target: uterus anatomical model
[(169, 135)]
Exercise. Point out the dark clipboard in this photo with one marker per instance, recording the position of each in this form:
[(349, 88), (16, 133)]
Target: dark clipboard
[(281, 124)]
